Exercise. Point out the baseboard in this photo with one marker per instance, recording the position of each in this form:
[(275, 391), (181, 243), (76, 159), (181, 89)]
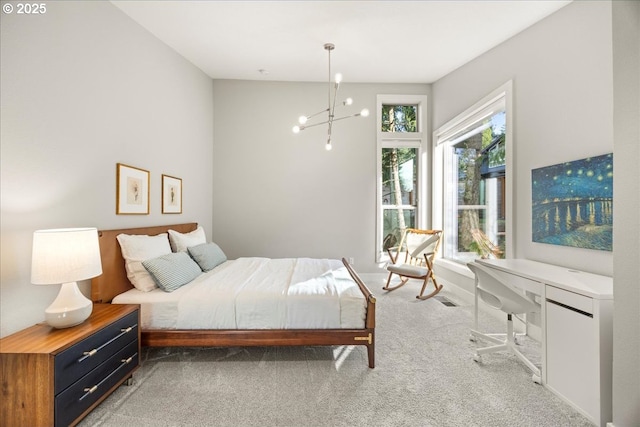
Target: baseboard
[(610, 425), (456, 293)]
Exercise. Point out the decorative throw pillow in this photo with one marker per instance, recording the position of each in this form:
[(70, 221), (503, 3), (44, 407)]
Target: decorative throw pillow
[(137, 248), (181, 241), (207, 255), (173, 270)]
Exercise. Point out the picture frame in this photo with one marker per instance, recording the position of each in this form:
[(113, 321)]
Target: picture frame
[(572, 203), (132, 190), (171, 195)]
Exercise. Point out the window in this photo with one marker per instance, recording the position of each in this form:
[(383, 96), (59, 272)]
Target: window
[(399, 118), (400, 188), (472, 152), (399, 192)]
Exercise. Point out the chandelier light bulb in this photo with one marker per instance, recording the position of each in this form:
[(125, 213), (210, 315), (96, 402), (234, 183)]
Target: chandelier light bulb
[(328, 146), (364, 112), (348, 101), (338, 78), (302, 119), (296, 129)]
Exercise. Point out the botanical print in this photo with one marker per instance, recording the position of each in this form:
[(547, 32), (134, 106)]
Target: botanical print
[(572, 203), (134, 188), (173, 195)]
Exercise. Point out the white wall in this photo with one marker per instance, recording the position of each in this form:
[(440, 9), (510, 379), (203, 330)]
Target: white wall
[(82, 88), (564, 71), (626, 237), (278, 194), (562, 108)]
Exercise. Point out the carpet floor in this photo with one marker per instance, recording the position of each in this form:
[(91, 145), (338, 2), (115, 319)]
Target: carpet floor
[(425, 375)]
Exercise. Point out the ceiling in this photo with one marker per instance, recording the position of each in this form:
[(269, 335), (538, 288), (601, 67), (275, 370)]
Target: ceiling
[(376, 41)]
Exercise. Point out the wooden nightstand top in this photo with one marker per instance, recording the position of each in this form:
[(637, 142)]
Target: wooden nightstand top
[(42, 338)]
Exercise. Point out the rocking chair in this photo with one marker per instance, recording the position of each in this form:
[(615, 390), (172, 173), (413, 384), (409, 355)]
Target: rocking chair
[(419, 248)]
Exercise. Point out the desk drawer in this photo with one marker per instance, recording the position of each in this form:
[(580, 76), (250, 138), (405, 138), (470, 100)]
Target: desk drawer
[(570, 300), (85, 392), (79, 359)]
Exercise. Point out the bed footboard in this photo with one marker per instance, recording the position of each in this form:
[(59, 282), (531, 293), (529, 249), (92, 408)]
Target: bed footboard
[(261, 337)]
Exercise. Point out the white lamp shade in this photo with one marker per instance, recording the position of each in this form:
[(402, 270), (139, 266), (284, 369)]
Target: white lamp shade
[(65, 255)]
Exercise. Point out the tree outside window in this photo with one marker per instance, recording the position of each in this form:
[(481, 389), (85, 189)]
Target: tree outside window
[(399, 174), (479, 191)]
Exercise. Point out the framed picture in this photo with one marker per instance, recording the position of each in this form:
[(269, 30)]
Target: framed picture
[(572, 203), (171, 195), (132, 190)]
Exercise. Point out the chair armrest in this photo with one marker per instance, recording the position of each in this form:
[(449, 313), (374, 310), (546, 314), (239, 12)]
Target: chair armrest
[(391, 256)]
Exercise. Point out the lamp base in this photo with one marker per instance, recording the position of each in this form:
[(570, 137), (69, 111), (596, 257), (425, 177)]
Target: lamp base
[(70, 308)]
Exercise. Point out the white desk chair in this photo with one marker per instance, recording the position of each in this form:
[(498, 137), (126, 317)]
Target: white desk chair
[(500, 295)]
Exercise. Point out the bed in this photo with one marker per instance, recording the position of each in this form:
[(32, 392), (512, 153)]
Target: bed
[(114, 282)]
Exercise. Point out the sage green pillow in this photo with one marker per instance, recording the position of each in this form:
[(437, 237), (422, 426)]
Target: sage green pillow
[(171, 271), (207, 255)]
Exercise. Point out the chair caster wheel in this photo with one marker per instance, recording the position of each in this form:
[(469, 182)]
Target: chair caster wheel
[(518, 340), (472, 338), (477, 358), (536, 379)]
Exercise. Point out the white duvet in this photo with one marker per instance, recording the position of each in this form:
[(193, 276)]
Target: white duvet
[(257, 293)]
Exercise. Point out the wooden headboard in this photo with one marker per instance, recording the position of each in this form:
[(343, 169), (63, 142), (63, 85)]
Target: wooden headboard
[(113, 280)]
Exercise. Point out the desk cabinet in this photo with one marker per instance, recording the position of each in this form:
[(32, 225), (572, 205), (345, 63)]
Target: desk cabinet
[(579, 351), (55, 377), (577, 329)]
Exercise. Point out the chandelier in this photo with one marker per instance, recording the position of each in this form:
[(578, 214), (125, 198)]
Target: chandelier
[(331, 105)]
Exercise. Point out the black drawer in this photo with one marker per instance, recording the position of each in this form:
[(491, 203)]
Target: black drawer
[(81, 358), (85, 392)]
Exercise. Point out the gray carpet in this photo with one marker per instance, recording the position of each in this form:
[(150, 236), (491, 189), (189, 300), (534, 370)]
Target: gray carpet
[(424, 376)]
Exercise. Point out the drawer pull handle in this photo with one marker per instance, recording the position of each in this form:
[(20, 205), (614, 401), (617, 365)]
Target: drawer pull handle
[(89, 390), (123, 331)]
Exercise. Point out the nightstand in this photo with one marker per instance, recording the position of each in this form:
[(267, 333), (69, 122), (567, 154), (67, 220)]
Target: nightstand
[(55, 377)]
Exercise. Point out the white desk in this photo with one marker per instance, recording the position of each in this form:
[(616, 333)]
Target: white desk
[(577, 329)]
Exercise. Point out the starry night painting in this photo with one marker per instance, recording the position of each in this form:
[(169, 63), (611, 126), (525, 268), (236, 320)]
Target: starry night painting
[(573, 203)]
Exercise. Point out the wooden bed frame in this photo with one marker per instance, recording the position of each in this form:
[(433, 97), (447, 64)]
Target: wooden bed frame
[(114, 281)]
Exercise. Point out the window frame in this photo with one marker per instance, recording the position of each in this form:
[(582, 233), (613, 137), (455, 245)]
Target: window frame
[(401, 140), (442, 138)]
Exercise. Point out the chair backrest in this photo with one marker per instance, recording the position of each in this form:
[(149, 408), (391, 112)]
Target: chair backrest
[(419, 243), (499, 294)]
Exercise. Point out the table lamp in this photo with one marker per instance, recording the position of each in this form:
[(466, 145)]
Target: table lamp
[(64, 256)]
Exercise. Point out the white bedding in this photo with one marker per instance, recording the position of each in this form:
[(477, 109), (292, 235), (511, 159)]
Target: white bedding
[(257, 293)]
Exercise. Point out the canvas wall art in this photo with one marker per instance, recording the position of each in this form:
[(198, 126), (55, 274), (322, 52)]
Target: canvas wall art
[(573, 203)]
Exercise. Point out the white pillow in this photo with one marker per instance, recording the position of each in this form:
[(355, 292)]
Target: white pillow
[(140, 247), (181, 241)]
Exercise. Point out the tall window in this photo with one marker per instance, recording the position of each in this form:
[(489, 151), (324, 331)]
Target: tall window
[(400, 137), (473, 150)]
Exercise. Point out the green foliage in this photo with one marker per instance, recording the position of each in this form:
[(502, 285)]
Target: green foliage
[(399, 118), (403, 155), (498, 153)]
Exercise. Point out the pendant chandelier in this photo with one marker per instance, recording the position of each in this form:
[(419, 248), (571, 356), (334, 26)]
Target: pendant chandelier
[(331, 105)]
